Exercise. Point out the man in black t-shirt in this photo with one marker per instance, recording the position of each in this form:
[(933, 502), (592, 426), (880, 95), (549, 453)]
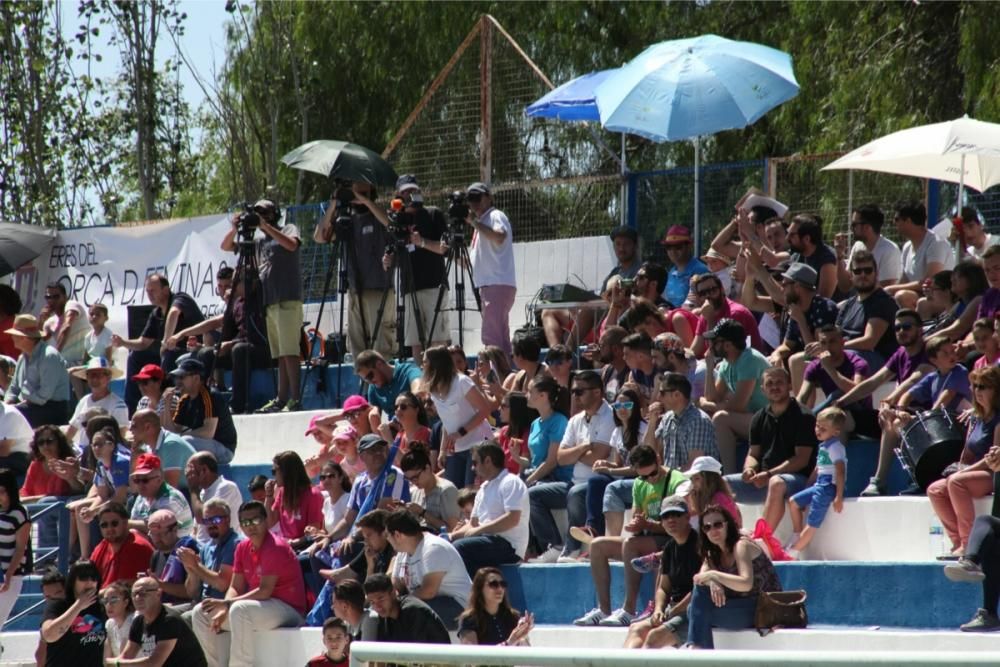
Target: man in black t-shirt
[(202, 417), (402, 619), (172, 312), (426, 225), (160, 633), (867, 317), (805, 236), (679, 562), (782, 450)]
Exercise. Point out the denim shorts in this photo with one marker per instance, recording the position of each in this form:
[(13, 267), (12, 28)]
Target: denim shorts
[(818, 498), (618, 495), (751, 495)]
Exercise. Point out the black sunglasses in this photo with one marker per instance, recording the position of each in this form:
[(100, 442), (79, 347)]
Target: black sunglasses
[(497, 583), (863, 271)]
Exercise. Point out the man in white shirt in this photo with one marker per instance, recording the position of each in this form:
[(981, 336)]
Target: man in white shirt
[(428, 567), (205, 483), (491, 253), (866, 226), (497, 534), (924, 253), (16, 435), (587, 439), (98, 374)]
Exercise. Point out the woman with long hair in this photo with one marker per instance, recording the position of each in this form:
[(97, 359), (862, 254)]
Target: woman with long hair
[(463, 410), (539, 461), (492, 370), (292, 502), (117, 602), (43, 479), (15, 543), (317, 556), (489, 619), (708, 487), (412, 422), (609, 489), (517, 417), (734, 572), (954, 496), (111, 479), (434, 500), (73, 627)]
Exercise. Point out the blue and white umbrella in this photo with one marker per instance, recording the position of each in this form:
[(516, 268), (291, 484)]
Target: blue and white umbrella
[(572, 101), (686, 88)]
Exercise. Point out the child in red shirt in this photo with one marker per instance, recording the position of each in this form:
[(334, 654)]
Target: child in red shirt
[(337, 641)]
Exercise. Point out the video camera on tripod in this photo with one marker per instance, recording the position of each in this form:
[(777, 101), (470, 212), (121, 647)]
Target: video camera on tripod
[(401, 225), (458, 212), (248, 222), (345, 197)]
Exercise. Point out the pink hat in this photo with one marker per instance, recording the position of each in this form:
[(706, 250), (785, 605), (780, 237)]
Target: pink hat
[(312, 424), (355, 403), (677, 235), (345, 432)]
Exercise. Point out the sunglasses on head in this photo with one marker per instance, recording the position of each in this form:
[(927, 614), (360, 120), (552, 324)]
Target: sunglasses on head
[(497, 584)]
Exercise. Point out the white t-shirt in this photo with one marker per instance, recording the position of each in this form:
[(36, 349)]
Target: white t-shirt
[(97, 346), (887, 255), (932, 249), (505, 493), (226, 491), (618, 445), (493, 263), (15, 427), (582, 429), (333, 512), (991, 240), (112, 403), (434, 554), (73, 347), (455, 411)]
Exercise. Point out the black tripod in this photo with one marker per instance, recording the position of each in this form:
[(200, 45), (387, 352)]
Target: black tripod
[(457, 250), (403, 279)]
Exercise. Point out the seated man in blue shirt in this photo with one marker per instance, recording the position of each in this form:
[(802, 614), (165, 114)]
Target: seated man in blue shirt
[(946, 388), (39, 388), (210, 572), (680, 251), (385, 382)]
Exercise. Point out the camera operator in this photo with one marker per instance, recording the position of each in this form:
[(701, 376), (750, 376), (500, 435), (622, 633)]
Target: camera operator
[(366, 277), (492, 255), (280, 274), (421, 227)]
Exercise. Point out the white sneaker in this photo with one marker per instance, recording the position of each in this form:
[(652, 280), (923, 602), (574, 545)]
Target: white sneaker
[(551, 555), (619, 617), (592, 617), (569, 556)]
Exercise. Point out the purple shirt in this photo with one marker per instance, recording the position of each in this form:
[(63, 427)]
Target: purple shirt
[(990, 303), (925, 393), (852, 365), (902, 364)]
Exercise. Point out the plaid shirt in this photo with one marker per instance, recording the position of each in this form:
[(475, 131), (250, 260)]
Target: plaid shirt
[(680, 434)]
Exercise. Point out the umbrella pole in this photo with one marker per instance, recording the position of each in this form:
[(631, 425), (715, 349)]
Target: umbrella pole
[(624, 194), (850, 207), (697, 195)]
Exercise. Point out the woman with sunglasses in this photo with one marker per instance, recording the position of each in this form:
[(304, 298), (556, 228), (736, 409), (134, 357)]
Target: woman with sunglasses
[(15, 543), (43, 480), (559, 364), (609, 490), (463, 409), (73, 628), (111, 474), (489, 619), (336, 486), (734, 572), (117, 602), (412, 423), (953, 498), (291, 501)]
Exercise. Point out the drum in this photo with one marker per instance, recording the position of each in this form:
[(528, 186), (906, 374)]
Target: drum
[(931, 442)]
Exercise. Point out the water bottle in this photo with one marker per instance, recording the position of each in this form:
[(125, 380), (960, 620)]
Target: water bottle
[(443, 533), (938, 545)]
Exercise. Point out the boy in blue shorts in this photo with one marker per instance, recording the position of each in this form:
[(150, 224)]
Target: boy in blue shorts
[(828, 482)]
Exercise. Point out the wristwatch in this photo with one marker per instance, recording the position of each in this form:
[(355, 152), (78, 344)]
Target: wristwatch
[(462, 432)]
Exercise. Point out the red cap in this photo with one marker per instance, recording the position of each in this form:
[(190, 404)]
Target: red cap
[(146, 464), (149, 372)]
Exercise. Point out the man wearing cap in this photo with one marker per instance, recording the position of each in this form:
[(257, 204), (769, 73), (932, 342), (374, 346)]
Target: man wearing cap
[(866, 227), (717, 306), (625, 242), (720, 266), (172, 312), (281, 282), (491, 253), (807, 311), (685, 432), (39, 388), (366, 237), (202, 416), (385, 382), (98, 374), (174, 452), (679, 562), (805, 235), (154, 493), (427, 225), (735, 394), (680, 248)]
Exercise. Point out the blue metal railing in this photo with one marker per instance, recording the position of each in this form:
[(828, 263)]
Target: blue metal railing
[(61, 550)]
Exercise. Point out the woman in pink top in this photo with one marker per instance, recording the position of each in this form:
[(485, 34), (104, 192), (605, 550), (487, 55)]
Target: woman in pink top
[(412, 425), (291, 500), (709, 488), (45, 476), (984, 336)]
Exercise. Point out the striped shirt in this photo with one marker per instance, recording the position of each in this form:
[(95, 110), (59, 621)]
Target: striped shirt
[(10, 522)]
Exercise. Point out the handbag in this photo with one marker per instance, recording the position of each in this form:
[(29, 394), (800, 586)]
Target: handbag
[(780, 609)]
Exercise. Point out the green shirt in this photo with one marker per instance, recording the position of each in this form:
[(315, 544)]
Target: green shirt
[(646, 497), (750, 365)]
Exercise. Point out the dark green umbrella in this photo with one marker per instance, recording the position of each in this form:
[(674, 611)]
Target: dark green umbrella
[(19, 244), (341, 160)]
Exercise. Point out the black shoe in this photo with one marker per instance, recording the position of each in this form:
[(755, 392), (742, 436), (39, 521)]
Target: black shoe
[(913, 490), (983, 621)]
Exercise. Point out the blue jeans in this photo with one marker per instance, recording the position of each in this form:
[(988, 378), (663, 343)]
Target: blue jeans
[(595, 501), (222, 453), (752, 495), (618, 496), (322, 609), (549, 496), (485, 551), (458, 469), (703, 615)]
